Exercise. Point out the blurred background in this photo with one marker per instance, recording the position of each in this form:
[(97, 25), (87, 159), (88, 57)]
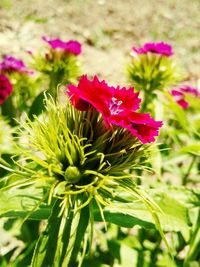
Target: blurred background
[(106, 28)]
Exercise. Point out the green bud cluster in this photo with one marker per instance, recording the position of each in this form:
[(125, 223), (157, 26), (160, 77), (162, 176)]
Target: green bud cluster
[(72, 174)]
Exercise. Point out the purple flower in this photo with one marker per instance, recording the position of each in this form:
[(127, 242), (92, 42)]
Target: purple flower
[(157, 48), (5, 88), (180, 94), (72, 47), (11, 64)]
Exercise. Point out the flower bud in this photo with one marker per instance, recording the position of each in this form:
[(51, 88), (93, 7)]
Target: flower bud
[(72, 174)]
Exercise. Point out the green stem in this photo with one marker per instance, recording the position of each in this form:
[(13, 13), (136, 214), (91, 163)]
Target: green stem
[(61, 243), (56, 77), (76, 235), (8, 110), (45, 250), (194, 245), (185, 177), (149, 87), (146, 99)]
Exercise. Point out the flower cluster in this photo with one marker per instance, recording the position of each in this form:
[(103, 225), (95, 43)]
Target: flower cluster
[(157, 48), (180, 94), (117, 106), (5, 88), (11, 64), (71, 47)]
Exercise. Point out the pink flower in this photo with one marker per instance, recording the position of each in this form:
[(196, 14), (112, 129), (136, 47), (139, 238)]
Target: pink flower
[(180, 94), (190, 90), (11, 64), (72, 47), (117, 106), (5, 88), (179, 98), (106, 99), (157, 48), (140, 125)]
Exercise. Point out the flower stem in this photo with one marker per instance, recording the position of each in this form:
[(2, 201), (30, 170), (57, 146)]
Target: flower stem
[(56, 77), (8, 110), (185, 177), (61, 243), (146, 100)]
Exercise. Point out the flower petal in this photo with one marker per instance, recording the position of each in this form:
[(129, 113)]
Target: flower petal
[(11, 64), (5, 88), (158, 48), (140, 125), (71, 46)]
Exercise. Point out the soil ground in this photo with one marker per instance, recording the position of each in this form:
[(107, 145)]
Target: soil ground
[(106, 28)]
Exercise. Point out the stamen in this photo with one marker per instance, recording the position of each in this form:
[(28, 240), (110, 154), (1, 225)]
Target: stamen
[(114, 106)]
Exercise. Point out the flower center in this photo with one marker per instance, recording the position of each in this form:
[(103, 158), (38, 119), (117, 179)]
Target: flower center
[(114, 106)]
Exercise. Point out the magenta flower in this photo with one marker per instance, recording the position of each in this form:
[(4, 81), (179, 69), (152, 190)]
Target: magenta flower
[(140, 125), (179, 98), (190, 90), (157, 48), (5, 88), (180, 94), (11, 64), (105, 99), (117, 106), (72, 47)]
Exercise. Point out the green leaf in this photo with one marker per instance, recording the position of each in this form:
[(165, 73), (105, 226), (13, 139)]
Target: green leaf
[(45, 250), (126, 256), (72, 235), (179, 113), (19, 202), (80, 233), (37, 106), (193, 149), (60, 244), (194, 245), (42, 213), (173, 215), (122, 219), (8, 110)]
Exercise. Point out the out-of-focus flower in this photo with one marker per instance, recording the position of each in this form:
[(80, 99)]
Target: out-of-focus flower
[(152, 68), (190, 90), (180, 94), (157, 48), (117, 106), (179, 97), (11, 64), (72, 47), (5, 88)]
